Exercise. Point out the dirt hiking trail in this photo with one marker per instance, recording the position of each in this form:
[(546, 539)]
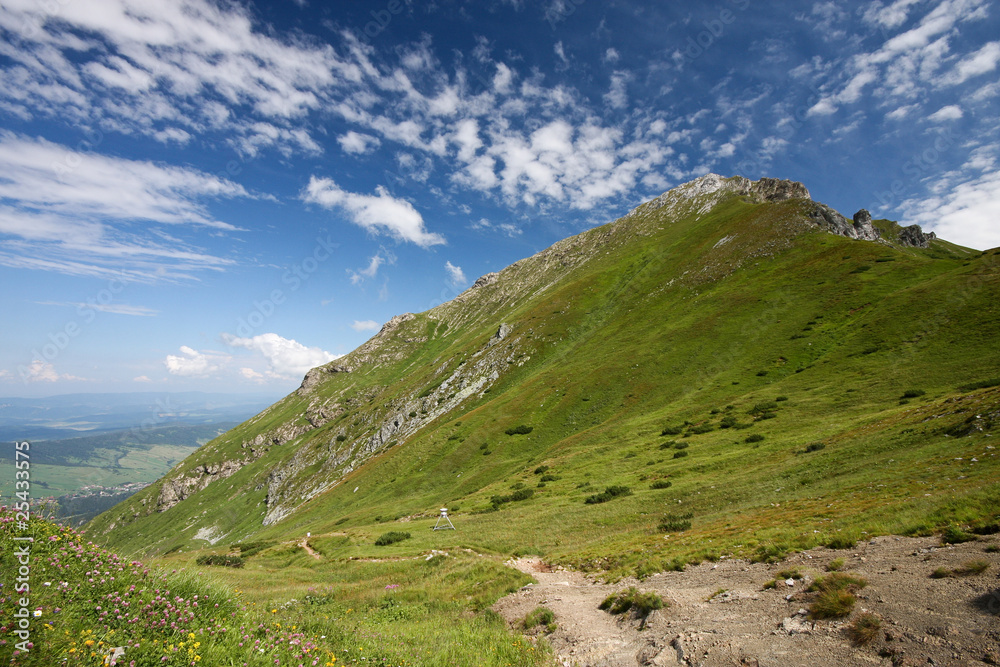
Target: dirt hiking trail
[(953, 620)]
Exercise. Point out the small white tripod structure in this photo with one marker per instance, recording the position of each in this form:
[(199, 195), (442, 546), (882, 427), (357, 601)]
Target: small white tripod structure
[(444, 517)]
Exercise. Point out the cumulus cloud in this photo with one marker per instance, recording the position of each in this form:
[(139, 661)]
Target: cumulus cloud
[(950, 112), (365, 325), (141, 378), (284, 356), (357, 142), (965, 212), (380, 213), (191, 363), (456, 277), (40, 371), (359, 276)]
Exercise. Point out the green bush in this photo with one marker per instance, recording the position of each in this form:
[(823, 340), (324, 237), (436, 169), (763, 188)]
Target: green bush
[(779, 399), (341, 437), (814, 447), (548, 478), (754, 437), (631, 599), (681, 454), (982, 384), (223, 561), (672, 430), (609, 493), (764, 406), (701, 428), (728, 422), (668, 444), (541, 469), (661, 484), (248, 549), (540, 616), (520, 430), (413, 413), (955, 535), (519, 494), (864, 629), (681, 445), (675, 523), (391, 537), (913, 393), (767, 415)]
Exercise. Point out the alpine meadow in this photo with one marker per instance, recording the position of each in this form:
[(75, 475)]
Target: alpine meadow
[(730, 371)]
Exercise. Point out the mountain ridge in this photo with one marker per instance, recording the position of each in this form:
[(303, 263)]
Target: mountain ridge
[(714, 256)]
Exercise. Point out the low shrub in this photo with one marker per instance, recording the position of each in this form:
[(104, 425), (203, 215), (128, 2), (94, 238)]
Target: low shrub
[(764, 406), (814, 447), (681, 454), (540, 616), (913, 393), (728, 422), (522, 429), (701, 428), (767, 415), (864, 629), (761, 374), (391, 537), (540, 470), (955, 535), (754, 437), (675, 523), (780, 399), (668, 444), (220, 560), (631, 599), (672, 430), (661, 484), (548, 478), (982, 384), (341, 437), (609, 493), (681, 445), (519, 494)]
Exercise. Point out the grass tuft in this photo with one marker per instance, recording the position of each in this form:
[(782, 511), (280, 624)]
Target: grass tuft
[(864, 629), (631, 599)]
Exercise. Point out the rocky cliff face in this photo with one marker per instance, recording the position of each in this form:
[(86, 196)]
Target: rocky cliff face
[(915, 237)]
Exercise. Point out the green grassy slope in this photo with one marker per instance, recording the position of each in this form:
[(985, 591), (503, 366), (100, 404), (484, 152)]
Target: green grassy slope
[(667, 319)]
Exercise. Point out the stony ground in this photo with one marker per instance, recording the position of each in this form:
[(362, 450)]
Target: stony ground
[(721, 614)]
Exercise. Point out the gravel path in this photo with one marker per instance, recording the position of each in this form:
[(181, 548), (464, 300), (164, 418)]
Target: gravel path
[(925, 621)]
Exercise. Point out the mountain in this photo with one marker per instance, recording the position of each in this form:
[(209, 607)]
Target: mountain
[(731, 368)]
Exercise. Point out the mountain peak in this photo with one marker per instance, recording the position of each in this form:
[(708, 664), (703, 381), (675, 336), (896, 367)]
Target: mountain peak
[(704, 192)]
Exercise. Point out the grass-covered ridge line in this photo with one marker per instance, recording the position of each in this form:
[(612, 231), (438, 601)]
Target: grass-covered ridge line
[(804, 402)]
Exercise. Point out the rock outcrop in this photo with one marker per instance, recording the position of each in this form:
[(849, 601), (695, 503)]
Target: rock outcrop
[(860, 228), (914, 237), (175, 490)]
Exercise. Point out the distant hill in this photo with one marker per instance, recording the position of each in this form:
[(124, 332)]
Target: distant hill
[(731, 368)]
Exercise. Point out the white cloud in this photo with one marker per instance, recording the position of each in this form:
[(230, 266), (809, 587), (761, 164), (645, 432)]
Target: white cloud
[(982, 61), (358, 277), (356, 142), (456, 277), (40, 371), (892, 16), (950, 112), (285, 357), (191, 363), (965, 213), (378, 213), (617, 97), (114, 308), (611, 55), (365, 325), (74, 212), (155, 67), (141, 378), (252, 375)]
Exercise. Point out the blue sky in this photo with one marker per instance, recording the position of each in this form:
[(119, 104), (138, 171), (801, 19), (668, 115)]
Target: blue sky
[(219, 196)]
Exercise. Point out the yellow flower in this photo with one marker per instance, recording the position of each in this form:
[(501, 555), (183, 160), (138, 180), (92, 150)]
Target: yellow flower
[(89, 642), (191, 635)]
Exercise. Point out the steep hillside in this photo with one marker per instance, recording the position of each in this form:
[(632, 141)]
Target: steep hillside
[(784, 376)]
